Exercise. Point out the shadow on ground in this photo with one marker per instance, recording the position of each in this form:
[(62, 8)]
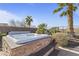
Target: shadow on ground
[(72, 44), (54, 52)]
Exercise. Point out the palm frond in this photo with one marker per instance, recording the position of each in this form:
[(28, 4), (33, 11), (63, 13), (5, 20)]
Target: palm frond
[(62, 4), (57, 10), (64, 13), (75, 8)]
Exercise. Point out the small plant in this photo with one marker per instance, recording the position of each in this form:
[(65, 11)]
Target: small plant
[(2, 34), (53, 30)]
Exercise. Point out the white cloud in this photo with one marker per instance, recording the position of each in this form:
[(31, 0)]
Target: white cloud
[(6, 16)]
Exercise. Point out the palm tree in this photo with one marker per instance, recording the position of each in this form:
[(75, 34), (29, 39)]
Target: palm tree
[(28, 20), (70, 7), (41, 28)]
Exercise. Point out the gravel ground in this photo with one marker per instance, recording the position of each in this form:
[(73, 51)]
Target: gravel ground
[(1, 53), (61, 52)]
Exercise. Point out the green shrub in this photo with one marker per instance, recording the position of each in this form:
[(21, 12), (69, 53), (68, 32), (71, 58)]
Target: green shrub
[(3, 34), (53, 30)]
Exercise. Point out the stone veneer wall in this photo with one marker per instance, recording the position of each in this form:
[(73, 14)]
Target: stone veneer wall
[(26, 49), (5, 48)]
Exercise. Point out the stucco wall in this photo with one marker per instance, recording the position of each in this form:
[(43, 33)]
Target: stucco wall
[(10, 28), (26, 49)]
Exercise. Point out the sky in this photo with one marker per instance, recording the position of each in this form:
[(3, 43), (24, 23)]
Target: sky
[(41, 13)]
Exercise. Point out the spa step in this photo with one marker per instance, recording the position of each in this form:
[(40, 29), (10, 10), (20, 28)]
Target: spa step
[(43, 51)]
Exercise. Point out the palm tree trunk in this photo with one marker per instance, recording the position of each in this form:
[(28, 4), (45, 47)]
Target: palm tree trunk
[(29, 25), (70, 19)]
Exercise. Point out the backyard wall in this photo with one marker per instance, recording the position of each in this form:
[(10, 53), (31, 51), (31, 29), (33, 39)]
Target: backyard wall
[(10, 28)]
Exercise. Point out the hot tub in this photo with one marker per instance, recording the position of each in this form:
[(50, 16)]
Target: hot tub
[(24, 43), (26, 37)]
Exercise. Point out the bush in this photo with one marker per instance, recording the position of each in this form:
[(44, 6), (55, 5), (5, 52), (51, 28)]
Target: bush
[(61, 38), (3, 34), (53, 30)]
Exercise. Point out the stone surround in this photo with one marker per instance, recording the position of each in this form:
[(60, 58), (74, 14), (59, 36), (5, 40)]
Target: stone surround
[(24, 49)]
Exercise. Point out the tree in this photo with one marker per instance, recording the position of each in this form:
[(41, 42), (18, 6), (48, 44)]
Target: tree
[(28, 20), (17, 23), (70, 7), (20, 23), (12, 23), (41, 28)]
